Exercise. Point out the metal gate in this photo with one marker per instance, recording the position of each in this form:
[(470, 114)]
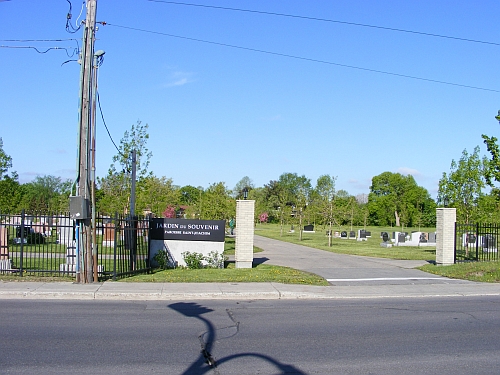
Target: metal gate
[(476, 242)]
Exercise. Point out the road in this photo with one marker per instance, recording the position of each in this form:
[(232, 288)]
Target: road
[(370, 336)]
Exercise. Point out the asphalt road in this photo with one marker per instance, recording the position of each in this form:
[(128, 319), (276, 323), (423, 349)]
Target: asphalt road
[(376, 336)]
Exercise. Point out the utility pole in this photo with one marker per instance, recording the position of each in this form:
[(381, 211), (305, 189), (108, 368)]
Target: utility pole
[(81, 202)]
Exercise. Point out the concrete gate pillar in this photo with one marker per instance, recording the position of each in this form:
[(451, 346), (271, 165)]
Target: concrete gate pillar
[(244, 233), (445, 235)]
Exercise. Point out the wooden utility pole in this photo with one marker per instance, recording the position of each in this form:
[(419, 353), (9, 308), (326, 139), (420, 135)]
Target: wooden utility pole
[(84, 191)]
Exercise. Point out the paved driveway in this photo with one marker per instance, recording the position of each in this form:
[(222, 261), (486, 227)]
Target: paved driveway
[(341, 269)]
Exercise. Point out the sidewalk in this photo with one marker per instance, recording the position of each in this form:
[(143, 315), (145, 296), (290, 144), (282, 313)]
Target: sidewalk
[(349, 277), (110, 290)]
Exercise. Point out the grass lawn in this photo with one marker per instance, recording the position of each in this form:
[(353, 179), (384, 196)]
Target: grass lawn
[(488, 272)]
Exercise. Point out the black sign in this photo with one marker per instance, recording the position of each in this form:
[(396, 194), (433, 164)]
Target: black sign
[(187, 230)]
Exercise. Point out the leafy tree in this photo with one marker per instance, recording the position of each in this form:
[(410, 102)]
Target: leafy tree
[(396, 199), (216, 203), (492, 166), (245, 182), (156, 194), (135, 139), (46, 193), (5, 161), (10, 194), (115, 188), (325, 194), (463, 185)]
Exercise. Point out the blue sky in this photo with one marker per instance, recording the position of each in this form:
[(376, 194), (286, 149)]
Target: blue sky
[(217, 113)]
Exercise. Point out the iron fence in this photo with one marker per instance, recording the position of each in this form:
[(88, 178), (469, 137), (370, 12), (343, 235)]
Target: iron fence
[(44, 244), (476, 242)]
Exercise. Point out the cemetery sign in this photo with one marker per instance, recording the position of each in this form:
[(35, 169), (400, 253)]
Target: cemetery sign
[(187, 230)]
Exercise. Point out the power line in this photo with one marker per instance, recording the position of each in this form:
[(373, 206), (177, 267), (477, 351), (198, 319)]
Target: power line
[(46, 50), (330, 20), (106, 126), (305, 58)]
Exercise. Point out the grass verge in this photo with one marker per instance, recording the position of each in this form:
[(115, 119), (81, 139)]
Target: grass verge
[(488, 272), (260, 273)]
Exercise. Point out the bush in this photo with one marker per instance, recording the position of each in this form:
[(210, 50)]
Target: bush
[(215, 260), (193, 260)]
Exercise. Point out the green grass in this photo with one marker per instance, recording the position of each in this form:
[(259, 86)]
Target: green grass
[(371, 247), (260, 273), (474, 271)]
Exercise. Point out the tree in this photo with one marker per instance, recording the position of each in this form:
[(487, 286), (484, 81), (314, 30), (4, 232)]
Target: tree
[(10, 194), (115, 187), (5, 161), (325, 192), (216, 203), (492, 166), (157, 194), (46, 193), (464, 184), (245, 182), (135, 139), (396, 199)]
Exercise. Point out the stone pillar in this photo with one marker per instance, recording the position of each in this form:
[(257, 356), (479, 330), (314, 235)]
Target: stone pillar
[(244, 233), (445, 233)]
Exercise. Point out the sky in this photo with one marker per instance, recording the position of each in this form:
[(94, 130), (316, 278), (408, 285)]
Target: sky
[(229, 93)]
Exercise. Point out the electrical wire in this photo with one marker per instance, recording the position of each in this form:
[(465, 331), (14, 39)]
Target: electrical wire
[(329, 20), (106, 126), (45, 51), (69, 27), (306, 59)]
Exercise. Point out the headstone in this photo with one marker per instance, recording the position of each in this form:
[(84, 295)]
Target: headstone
[(489, 243), (5, 262), (401, 238), (336, 234), (423, 237), (343, 234), (309, 228), (362, 235), (109, 235), (352, 235), (386, 242), (432, 237)]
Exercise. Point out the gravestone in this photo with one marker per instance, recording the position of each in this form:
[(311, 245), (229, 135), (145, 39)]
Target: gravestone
[(489, 243), (386, 241), (343, 235), (109, 235), (362, 235), (309, 228), (336, 234), (352, 235), (5, 262), (423, 237), (432, 237), (401, 238)]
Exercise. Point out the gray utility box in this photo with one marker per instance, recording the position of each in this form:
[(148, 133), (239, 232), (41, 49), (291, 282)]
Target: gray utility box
[(78, 208)]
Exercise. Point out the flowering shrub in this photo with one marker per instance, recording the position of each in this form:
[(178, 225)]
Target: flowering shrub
[(169, 212), (263, 217)]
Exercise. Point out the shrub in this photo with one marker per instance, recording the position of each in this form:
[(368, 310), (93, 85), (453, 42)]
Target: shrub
[(215, 260), (193, 260)]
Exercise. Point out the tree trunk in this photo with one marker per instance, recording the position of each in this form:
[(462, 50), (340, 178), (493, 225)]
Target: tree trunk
[(397, 218)]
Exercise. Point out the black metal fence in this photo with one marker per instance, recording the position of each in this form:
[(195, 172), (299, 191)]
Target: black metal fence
[(476, 242), (44, 244)]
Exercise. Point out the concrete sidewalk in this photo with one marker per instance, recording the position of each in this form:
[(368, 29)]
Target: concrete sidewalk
[(110, 290), (349, 277)]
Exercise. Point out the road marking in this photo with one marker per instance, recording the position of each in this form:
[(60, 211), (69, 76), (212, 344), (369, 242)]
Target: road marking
[(390, 278)]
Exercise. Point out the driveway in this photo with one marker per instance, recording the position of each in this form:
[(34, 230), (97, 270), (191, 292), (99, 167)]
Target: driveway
[(341, 269)]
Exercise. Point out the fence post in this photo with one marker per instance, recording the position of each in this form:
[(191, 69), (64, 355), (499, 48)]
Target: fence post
[(22, 244), (114, 248), (445, 231)]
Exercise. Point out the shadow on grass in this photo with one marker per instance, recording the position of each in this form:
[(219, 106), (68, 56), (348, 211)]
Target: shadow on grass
[(256, 262)]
